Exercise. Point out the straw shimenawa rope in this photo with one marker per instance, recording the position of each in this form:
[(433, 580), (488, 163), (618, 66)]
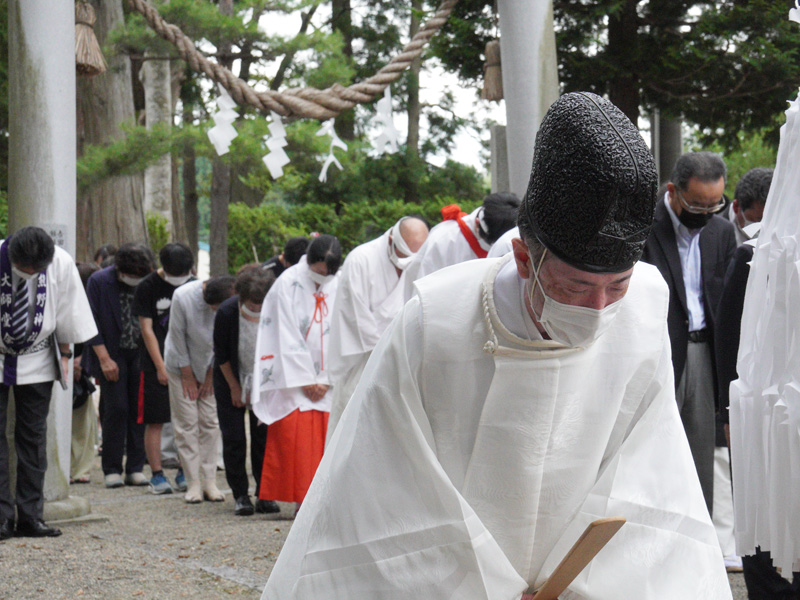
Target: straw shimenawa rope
[(298, 102), (89, 59)]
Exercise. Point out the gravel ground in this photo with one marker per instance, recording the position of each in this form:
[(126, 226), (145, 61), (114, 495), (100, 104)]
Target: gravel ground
[(148, 547)]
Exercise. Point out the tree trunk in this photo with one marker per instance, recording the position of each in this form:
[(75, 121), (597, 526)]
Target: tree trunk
[(220, 183), (623, 38), (177, 75), (110, 211), (189, 174), (341, 21), (413, 109)]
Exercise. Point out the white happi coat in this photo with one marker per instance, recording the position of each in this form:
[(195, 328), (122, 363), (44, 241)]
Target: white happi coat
[(445, 246), (292, 347), (469, 460), (369, 296), (66, 312)]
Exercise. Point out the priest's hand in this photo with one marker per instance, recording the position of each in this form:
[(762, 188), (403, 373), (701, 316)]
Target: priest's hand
[(188, 383), (527, 597), (110, 369)]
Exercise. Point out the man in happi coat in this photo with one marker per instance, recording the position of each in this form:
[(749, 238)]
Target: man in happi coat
[(515, 400), (462, 236), (42, 305), (291, 389), (369, 296)]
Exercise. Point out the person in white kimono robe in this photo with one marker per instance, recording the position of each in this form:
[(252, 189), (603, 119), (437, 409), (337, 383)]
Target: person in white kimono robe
[(43, 309), (461, 236), (503, 244), (516, 400), (369, 296), (291, 389)]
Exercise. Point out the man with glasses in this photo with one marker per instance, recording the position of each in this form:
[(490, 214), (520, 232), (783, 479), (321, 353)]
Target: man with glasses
[(691, 245)]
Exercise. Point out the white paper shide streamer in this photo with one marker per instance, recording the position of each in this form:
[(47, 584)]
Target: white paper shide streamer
[(222, 133), (387, 140), (277, 158), (336, 142), (765, 400)]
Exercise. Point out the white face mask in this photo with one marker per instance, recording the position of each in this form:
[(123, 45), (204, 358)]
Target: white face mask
[(399, 245), (573, 326), (745, 224), (22, 274), (176, 281), (320, 279), (129, 280), (249, 313)]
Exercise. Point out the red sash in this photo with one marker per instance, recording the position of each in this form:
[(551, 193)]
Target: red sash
[(452, 212)]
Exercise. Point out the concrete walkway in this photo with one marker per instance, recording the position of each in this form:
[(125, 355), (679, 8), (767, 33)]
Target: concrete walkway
[(140, 546)]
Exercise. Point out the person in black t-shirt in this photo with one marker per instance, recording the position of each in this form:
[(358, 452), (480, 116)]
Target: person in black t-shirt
[(293, 250), (151, 304)]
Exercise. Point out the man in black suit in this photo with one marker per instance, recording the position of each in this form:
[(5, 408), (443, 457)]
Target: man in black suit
[(692, 246)]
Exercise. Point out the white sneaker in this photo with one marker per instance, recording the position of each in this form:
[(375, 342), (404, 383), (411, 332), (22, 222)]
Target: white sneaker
[(113, 480), (733, 564), (136, 479)]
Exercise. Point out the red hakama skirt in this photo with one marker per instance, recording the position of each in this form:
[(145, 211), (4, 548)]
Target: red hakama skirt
[(294, 449)]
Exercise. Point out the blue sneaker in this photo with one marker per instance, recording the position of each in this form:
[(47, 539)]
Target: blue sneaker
[(180, 481), (160, 485)]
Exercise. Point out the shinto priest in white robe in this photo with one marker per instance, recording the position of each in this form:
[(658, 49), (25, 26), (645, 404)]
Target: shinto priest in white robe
[(369, 296), (470, 458), (292, 344), (445, 246)]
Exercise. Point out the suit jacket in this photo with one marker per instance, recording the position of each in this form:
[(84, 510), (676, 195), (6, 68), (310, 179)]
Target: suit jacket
[(717, 245), (103, 292)]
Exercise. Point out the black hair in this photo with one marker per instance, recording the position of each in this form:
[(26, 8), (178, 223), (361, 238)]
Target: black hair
[(136, 260), (705, 166), (325, 248), (753, 187), (294, 249), (85, 270), (31, 248), (104, 252), (528, 236), (499, 214), (253, 283), (218, 289), (176, 258)]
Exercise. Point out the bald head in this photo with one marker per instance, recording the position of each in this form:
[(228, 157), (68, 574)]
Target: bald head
[(414, 232)]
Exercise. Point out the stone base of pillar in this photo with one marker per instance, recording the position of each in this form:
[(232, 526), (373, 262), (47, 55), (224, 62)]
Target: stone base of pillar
[(71, 507)]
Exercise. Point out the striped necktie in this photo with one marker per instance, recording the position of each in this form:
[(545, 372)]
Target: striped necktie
[(19, 318)]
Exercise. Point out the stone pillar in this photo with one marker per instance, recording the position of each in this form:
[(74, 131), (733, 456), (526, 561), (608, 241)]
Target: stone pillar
[(499, 149), (42, 185), (530, 79), (666, 143)]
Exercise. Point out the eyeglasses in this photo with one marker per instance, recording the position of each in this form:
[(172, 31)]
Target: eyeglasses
[(700, 210)]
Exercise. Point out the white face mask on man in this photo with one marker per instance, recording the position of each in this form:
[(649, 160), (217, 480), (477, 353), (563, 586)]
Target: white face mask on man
[(573, 326), (398, 244), (176, 280), (320, 279), (22, 274)]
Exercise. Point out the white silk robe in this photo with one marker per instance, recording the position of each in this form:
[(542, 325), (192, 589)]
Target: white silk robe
[(503, 246), (369, 296), (469, 460), (445, 246), (292, 347)]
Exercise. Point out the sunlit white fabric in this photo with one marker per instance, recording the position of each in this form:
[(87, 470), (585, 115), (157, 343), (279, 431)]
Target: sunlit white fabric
[(369, 296), (460, 473), (445, 246), (503, 244)]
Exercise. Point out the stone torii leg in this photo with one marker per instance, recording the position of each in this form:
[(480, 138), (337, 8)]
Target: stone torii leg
[(530, 79)]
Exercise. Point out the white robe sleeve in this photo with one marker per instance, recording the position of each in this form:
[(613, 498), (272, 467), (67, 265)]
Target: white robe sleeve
[(382, 519), (668, 547), (74, 319)]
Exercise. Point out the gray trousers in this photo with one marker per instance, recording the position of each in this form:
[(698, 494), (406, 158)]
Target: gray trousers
[(695, 397), (31, 403)]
